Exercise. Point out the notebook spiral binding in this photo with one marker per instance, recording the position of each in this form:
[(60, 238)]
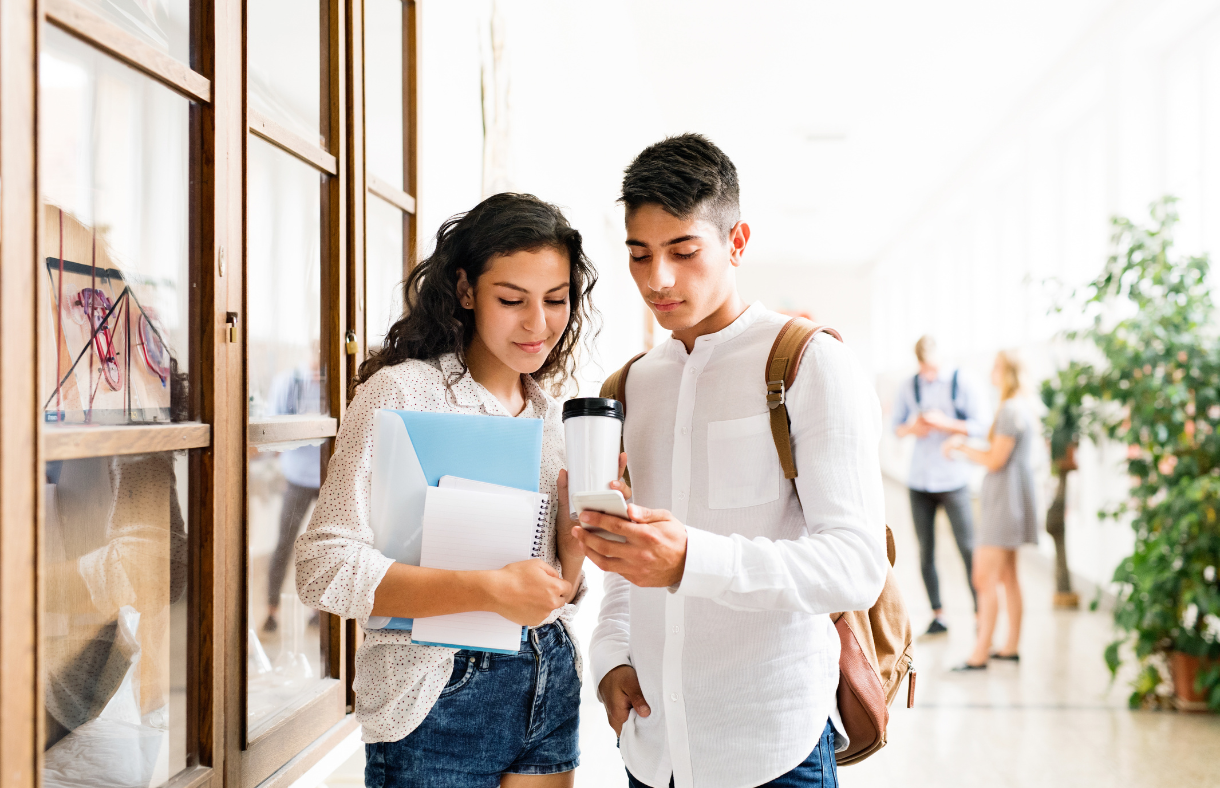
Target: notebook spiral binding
[(544, 509)]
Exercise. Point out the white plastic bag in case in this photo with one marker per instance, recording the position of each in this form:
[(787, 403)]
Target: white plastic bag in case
[(116, 749)]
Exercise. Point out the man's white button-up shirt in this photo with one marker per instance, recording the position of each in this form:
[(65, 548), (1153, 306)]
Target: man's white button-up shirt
[(739, 662)]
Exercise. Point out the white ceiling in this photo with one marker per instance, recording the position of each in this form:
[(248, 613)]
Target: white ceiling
[(843, 118)]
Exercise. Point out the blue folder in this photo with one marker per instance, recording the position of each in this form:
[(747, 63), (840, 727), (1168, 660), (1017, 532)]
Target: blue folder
[(492, 449)]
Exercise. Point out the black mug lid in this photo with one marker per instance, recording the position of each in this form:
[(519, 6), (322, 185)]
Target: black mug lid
[(593, 406)]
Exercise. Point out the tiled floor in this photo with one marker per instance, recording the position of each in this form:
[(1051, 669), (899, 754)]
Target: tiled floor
[(1052, 720)]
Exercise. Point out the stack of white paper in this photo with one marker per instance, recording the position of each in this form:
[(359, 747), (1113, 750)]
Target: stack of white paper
[(474, 526)]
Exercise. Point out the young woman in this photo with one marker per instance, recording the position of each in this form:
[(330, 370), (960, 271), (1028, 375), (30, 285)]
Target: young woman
[(493, 319), (1009, 517)]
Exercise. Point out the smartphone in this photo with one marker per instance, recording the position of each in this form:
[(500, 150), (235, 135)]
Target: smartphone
[(606, 502)]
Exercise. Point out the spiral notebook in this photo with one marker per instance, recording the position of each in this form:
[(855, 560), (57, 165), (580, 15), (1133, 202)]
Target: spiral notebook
[(471, 525)]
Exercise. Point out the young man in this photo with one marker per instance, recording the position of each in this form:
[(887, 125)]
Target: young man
[(715, 655), (922, 410)]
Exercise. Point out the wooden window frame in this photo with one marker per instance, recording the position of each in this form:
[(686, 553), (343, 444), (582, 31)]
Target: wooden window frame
[(271, 757), (219, 438), (101, 33), (366, 184), (20, 592)]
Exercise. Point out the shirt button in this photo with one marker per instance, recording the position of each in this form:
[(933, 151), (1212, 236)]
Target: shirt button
[(691, 370), (685, 430), (681, 496), (677, 629), (673, 696)]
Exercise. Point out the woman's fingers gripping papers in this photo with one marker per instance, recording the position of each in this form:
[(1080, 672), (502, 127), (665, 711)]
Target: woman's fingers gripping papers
[(526, 592)]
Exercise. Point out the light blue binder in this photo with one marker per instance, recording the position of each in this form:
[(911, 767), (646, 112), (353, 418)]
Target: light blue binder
[(492, 449)]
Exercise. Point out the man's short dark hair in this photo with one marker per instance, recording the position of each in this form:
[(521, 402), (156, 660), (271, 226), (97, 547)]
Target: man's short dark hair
[(688, 176)]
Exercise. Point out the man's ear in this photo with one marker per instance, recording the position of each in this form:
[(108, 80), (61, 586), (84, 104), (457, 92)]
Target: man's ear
[(739, 236), (465, 292)]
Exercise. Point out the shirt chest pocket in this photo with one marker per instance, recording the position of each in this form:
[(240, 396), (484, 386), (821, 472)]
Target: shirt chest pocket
[(742, 465)]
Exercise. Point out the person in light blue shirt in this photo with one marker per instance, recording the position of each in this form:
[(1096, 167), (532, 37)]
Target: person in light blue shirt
[(933, 406), (293, 392)]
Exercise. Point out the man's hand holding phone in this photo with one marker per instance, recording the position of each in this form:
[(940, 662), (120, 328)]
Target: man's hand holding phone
[(653, 551)]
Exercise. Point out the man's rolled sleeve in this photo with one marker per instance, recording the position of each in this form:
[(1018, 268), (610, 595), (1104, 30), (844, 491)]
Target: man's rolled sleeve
[(904, 406)]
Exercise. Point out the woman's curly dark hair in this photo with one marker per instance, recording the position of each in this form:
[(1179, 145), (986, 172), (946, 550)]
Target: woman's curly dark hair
[(435, 323)]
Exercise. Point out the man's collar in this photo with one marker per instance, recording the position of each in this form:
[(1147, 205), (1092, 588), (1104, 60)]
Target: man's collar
[(746, 319), (942, 373)]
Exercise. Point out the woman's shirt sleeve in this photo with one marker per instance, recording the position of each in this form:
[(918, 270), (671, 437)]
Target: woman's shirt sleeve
[(337, 567), (1008, 421)]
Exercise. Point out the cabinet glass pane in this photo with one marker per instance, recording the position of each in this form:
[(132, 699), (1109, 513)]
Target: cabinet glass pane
[(284, 64), (383, 99), (163, 24), (114, 149), (284, 645), (114, 631), (283, 280), (383, 271)]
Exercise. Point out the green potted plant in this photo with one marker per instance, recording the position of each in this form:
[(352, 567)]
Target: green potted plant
[(1158, 391)]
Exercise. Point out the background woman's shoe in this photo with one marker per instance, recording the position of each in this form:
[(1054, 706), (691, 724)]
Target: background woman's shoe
[(1007, 657), (965, 666), (937, 627)]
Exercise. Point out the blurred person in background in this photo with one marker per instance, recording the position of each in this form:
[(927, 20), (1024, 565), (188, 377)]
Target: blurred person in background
[(293, 392), (1009, 512), (923, 410)]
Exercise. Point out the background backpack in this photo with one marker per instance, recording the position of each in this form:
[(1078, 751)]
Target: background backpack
[(875, 644)]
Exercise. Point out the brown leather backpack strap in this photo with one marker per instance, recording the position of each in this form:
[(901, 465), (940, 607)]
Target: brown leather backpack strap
[(782, 365), (615, 386)]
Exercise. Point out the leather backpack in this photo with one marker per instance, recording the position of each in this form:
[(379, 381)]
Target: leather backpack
[(875, 644)]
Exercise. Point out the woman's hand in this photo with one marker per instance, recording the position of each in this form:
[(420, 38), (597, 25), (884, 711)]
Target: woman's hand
[(527, 592), (621, 485), (953, 444), (566, 545)]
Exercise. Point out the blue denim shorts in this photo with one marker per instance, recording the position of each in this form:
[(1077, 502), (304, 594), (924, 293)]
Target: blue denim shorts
[(816, 771), (499, 713)]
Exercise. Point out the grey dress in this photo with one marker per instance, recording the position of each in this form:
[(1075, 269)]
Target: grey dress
[(1010, 516)]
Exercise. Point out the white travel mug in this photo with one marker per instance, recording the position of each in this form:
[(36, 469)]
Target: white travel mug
[(593, 429)]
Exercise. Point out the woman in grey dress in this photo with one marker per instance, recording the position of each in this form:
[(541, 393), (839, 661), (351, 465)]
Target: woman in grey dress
[(1009, 516)]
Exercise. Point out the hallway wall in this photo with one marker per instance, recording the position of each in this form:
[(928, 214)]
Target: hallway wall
[(838, 297)]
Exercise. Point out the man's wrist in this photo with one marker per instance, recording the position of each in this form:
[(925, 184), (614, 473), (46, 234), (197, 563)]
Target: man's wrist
[(679, 571), (601, 682)]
